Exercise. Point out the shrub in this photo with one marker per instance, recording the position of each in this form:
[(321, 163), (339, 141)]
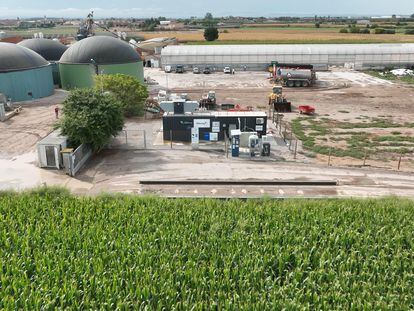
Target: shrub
[(130, 92), (91, 117), (380, 31), (409, 32), (343, 30), (365, 30), (389, 31), (354, 30)]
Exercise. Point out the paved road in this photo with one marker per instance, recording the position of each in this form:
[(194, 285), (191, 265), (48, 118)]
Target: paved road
[(121, 171)]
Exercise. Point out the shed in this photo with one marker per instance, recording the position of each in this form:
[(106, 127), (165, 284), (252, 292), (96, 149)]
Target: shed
[(49, 150)]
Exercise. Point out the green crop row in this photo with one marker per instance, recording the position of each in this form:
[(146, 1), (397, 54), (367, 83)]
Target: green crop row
[(64, 252)]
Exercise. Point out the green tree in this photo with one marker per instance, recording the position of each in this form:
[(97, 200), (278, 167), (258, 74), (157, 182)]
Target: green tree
[(130, 92), (211, 34), (91, 117), (208, 16), (318, 25)]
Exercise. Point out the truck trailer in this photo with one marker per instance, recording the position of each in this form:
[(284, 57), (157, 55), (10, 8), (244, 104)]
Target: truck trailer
[(293, 75)]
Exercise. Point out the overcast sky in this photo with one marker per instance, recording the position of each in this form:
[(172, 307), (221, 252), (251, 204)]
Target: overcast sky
[(186, 8)]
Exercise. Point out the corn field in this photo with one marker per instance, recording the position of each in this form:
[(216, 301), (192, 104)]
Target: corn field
[(124, 252)]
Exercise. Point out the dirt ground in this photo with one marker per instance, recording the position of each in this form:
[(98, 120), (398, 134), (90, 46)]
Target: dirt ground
[(341, 95), (20, 134)]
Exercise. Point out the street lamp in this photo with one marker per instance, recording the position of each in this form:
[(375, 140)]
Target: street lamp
[(95, 65)]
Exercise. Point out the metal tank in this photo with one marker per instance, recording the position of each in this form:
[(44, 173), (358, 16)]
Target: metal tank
[(24, 74), (98, 55)]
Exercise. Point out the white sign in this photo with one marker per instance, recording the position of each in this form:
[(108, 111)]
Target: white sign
[(259, 128), (213, 136), (194, 136), (216, 127), (202, 123)]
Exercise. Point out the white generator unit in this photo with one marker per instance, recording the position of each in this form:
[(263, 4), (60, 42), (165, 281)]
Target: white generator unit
[(49, 150)]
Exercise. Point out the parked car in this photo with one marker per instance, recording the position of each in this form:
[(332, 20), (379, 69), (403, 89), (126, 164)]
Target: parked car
[(196, 70), (179, 69), (227, 70), (167, 69), (207, 70)]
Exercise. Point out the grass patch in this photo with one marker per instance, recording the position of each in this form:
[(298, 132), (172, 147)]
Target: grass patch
[(387, 75), (322, 137)]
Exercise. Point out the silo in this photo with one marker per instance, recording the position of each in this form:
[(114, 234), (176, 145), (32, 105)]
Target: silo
[(50, 50), (99, 54), (24, 74)]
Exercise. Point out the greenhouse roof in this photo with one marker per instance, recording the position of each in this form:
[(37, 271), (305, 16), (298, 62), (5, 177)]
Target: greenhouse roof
[(262, 49)]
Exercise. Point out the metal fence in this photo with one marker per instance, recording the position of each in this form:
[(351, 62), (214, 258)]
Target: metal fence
[(285, 130), (129, 139), (74, 161)]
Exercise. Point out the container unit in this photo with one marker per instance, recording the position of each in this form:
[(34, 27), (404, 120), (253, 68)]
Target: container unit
[(24, 74), (51, 50), (49, 150), (212, 125), (257, 57), (98, 55)]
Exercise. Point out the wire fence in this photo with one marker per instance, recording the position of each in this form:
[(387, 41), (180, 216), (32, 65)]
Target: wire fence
[(284, 128)]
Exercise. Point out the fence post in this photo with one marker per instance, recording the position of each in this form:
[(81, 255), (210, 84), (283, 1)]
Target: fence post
[(225, 145), (145, 139), (296, 148), (399, 161), (171, 139), (126, 137), (365, 157), (329, 157)]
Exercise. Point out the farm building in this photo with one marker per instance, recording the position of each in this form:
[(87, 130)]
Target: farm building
[(50, 50), (257, 57), (24, 74), (98, 55)]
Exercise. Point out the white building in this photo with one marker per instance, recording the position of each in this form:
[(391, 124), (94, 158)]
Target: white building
[(258, 57)]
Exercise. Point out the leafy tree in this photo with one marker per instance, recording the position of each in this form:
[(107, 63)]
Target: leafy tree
[(412, 15), (130, 92), (211, 34), (91, 117), (208, 16), (318, 25), (354, 29)]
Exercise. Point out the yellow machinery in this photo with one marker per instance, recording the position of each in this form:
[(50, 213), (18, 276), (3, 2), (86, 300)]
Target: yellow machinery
[(278, 101)]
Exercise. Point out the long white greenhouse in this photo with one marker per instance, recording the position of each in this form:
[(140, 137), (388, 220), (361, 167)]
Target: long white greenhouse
[(257, 57)]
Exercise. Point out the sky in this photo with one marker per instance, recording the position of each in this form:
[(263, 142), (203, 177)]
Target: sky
[(187, 8)]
